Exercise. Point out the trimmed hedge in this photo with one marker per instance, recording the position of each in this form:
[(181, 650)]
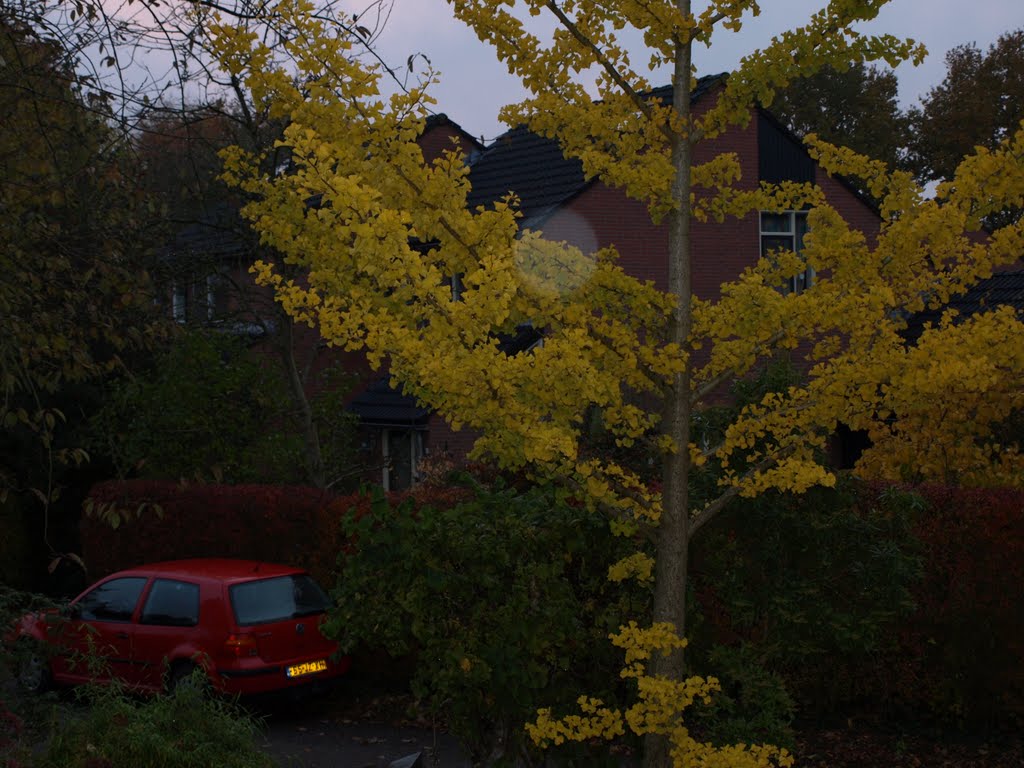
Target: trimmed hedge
[(957, 653), (143, 521), (961, 654), (902, 602)]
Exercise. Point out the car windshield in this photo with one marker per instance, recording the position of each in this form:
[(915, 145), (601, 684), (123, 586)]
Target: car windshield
[(277, 599)]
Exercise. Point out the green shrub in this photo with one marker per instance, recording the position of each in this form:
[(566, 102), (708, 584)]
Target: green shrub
[(752, 707), (186, 730), (202, 411), (503, 599), (814, 584), (23, 718), (210, 408)]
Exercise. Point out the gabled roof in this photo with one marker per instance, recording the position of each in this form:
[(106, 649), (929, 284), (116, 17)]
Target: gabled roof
[(531, 166), (536, 169), (219, 232), (1002, 289), (441, 120), (382, 405)]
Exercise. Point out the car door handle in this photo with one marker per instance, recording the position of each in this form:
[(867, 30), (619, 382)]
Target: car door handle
[(121, 635)]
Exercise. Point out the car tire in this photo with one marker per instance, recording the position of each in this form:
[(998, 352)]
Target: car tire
[(184, 675), (33, 668)]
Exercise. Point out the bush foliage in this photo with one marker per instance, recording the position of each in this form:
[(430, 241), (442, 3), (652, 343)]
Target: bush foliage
[(813, 584), (960, 656), (185, 730), (862, 597), (22, 718), (211, 408), (503, 599), (870, 598)]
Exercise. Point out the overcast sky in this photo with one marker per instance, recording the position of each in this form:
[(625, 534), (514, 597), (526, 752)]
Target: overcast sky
[(474, 85)]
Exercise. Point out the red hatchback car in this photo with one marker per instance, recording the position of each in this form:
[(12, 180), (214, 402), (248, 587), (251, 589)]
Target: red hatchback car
[(251, 627)]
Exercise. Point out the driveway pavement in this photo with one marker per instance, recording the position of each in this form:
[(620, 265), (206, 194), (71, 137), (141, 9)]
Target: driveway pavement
[(348, 731), (326, 743)]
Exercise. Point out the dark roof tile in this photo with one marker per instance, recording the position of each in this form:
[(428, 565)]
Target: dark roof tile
[(530, 165), (382, 405), (535, 167), (1002, 289)]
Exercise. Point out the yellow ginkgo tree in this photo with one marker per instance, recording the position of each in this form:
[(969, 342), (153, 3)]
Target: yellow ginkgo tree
[(380, 233)]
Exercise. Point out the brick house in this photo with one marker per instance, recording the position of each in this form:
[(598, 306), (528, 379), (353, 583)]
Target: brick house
[(560, 201), (556, 198), (206, 270)]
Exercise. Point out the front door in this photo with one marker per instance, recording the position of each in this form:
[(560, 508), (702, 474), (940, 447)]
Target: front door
[(402, 452)]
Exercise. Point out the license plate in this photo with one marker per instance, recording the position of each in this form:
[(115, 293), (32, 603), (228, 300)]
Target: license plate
[(307, 668)]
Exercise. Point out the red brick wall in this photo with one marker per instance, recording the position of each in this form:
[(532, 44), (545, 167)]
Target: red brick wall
[(601, 216), (443, 441), (858, 214), (438, 138)]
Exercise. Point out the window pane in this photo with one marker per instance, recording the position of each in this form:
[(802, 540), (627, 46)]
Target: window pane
[(113, 601), (776, 222), (172, 603), (771, 243), (283, 597), (179, 302), (801, 281), (801, 230), (400, 460)]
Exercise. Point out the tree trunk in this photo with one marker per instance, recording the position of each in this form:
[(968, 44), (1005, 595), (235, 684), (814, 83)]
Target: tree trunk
[(313, 458), (672, 543)]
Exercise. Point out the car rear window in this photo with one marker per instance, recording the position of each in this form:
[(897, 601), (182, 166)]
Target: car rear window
[(277, 599)]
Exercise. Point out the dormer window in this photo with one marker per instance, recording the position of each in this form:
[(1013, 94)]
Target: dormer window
[(785, 232)]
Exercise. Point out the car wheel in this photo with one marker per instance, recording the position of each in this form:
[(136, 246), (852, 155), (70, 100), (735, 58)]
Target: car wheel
[(33, 667), (186, 676)]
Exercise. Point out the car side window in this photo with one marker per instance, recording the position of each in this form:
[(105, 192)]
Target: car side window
[(172, 604), (114, 600)]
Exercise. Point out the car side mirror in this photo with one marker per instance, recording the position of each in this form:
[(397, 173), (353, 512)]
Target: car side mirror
[(71, 611)]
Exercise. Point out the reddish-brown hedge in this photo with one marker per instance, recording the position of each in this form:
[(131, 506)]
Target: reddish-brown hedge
[(286, 524), (962, 651), (960, 654), (957, 656)]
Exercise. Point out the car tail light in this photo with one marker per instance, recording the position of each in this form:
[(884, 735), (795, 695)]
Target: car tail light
[(241, 645)]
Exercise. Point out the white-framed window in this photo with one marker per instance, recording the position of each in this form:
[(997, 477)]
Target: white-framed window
[(211, 296), (785, 231), (179, 301), (216, 299)]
